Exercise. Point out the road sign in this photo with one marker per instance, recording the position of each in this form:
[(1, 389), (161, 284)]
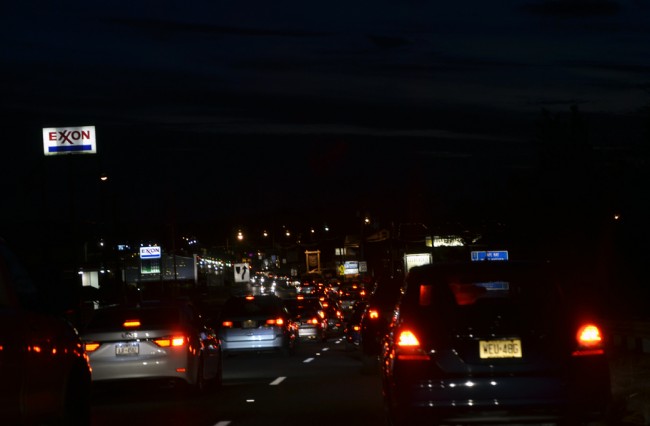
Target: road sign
[(69, 140), (489, 255), (242, 272)]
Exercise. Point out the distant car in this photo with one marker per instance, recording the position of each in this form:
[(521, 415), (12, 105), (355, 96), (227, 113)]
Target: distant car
[(380, 306), (333, 317), (352, 330), (311, 284), (255, 323), (349, 294), (45, 377), (492, 340), (154, 341), (308, 315)]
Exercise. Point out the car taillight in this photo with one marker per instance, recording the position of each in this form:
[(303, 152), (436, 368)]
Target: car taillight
[(373, 314), (91, 346), (275, 321), (166, 342), (407, 347), (589, 341), (131, 323), (314, 321), (227, 324)]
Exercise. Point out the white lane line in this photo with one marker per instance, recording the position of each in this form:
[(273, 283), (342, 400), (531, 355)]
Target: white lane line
[(326, 349), (222, 423), (308, 360), (277, 381)]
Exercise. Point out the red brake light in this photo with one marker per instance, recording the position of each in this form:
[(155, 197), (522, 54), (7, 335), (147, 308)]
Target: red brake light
[(407, 338), (408, 347), (589, 340), (227, 324), (165, 342), (275, 321), (131, 323), (373, 314)]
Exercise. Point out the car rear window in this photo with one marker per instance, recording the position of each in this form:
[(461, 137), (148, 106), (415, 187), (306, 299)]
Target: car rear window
[(256, 305), (477, 286)]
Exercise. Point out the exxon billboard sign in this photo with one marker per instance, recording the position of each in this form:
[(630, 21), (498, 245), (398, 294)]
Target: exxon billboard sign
[(69, 140), (150, 252)]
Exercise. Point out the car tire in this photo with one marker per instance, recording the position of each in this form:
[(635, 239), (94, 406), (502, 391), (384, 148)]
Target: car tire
[(200, 385), (77, 403), (216, 382)]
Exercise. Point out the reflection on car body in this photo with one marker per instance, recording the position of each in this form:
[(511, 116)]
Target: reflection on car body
[(153, 340), (491, 340), (44, 373)]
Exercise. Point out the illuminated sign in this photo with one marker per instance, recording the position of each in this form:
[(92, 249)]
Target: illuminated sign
[(69, 140), (489, 255), (150, 252), (417, 259)]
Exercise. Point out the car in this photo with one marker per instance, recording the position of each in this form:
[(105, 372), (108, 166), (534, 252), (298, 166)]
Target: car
[(308, 315), (380, 306), (352, 330), (311, 283), (257, 323), (493, 341), (333, 316), (161, 340), (349, 294), (45, 375)]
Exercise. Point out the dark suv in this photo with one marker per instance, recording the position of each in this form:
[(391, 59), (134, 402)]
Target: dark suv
[(44, 371), (492, 340)]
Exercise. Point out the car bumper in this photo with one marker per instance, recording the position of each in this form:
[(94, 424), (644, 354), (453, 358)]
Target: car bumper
[(500, 398), (144, 367)]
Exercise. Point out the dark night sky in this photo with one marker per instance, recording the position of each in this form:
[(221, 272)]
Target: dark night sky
[(214, 111)]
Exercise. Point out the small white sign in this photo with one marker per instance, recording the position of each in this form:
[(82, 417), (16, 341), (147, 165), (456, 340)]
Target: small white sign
[(69, 140), (242, 272)]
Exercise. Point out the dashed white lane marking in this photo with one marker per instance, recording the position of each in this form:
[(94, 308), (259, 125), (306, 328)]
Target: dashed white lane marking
[(277, 381), (222, 423), (308, 360)]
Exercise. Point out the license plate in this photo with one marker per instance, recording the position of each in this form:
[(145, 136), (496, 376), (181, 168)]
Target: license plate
[(126, 349), (249, 324), (510, 348)]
